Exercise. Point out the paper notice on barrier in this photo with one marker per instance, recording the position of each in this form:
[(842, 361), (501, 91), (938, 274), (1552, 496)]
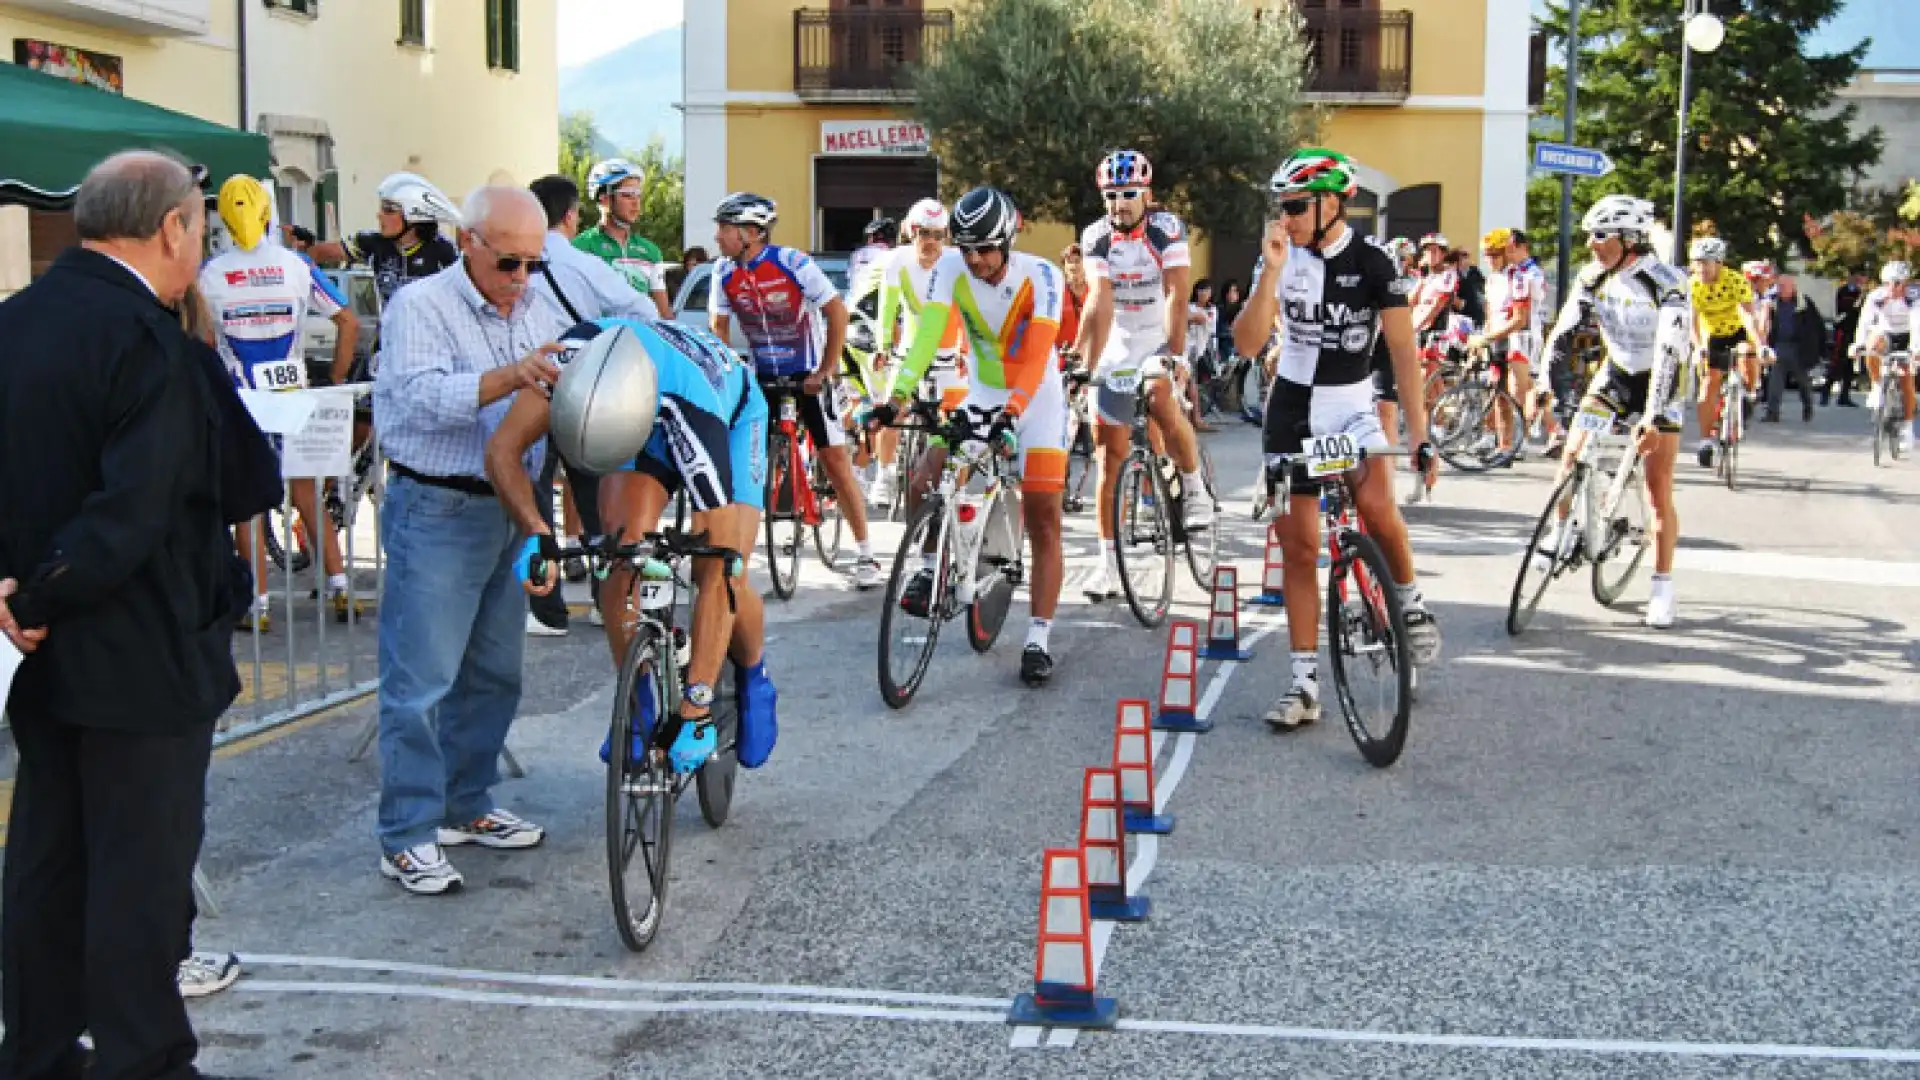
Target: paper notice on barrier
[(9, 663), (279, 412), (323, 445)]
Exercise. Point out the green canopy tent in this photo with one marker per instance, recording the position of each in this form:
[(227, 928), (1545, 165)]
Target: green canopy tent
[(52, 131)]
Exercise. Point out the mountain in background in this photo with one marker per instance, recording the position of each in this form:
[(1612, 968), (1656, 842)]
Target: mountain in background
[(1896, 39), (630, 92)]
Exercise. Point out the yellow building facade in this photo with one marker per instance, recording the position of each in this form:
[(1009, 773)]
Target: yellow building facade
[(347, 91), (804, 104)]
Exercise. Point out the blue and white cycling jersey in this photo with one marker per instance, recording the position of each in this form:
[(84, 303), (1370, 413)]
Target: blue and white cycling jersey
[(259, 300)]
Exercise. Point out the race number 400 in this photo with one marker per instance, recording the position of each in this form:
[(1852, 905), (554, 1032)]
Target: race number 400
[(1330, 454)]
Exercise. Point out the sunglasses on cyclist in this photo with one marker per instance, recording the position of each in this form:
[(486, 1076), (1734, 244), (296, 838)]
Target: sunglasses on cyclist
[(978, 250), (931, 234), (1602, 236), (509, 264), (389, 207), (1122, 195), (1293, 207)]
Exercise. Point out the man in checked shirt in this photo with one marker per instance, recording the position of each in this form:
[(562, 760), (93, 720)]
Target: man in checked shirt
[(457, 347)]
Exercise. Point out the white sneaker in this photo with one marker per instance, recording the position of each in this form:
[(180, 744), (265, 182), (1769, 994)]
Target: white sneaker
[(422, 870), (1200, 512), (1105, 586), (1873, 397), (495, 829), (866, 573), (881, 493), (536, 628), (1660, 605), (1298, 708), (205, 973)]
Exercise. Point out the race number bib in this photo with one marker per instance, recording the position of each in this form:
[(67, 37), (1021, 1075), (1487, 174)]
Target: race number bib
[(1593, 421), (656, 595), (1123, 382), (1328, 455), (789, 412), (280, 375)]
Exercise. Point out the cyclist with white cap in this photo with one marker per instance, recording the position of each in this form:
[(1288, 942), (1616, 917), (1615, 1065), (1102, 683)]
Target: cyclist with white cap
[(620, 188), (407, 246), (1886, 322), (905, 274)]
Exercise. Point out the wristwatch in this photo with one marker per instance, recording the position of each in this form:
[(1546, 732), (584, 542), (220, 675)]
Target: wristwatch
[(700, 694)]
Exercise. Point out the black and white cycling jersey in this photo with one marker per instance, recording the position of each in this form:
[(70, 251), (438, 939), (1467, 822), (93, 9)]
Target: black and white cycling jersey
[(1644, 316), (1330, 305)]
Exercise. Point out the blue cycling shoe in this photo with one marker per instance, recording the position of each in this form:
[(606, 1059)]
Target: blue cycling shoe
[(759, 725), (642, 724), (694, 745)]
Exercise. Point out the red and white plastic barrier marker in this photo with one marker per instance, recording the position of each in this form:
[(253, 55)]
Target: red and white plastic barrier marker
[(1103, 846), (1133, 761), (1272, 573), (1063, 968), (1180, 681), (1223, 625)]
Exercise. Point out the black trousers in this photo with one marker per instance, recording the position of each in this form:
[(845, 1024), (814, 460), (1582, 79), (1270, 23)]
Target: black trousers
[(1794, 358), (552, 608), (1841, 371), (105, 831)]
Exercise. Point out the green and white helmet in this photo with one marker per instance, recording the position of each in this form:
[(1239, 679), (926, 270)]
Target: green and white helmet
[(1314, 170)]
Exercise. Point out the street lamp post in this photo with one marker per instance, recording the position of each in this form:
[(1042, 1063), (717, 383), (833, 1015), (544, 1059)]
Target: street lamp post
[(1702, 32)]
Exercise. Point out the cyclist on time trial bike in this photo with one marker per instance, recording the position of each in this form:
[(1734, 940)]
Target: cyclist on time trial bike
[(1725, 311), (1008, 304), (1641, 308), (707, 424), (796, 326), (1886, 320), (1135, 258), (1331, 294)]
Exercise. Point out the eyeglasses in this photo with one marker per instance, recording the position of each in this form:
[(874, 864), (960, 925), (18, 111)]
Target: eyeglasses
[(978, 250), (1123, 195), (510, 264), (931, 234), (1294, 207)]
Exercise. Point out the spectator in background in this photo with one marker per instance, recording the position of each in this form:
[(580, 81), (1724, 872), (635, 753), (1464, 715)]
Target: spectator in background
[(118, 578), (1074, 299), (452, 619), (1202, 332), (693, 257), (1797, 336), (1472, 298), (1846, 320)]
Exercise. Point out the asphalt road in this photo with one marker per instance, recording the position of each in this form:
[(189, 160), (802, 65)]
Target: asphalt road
[(1608, 851)]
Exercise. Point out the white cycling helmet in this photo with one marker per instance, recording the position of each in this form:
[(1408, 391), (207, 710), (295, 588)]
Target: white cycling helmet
[(419, 201), (1708, 249), (1895, 271), (1620, 213), (927, 214), (610, 173)]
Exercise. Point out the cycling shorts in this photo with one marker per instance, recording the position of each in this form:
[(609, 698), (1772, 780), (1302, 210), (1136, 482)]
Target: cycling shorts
[(1720, 350), (1624, 393), (1114, 408), (721, 460), (1295, 412), (1041, 429), (821, 413)]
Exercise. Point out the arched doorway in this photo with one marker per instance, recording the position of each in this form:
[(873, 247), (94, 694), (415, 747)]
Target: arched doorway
[(1414, 211)]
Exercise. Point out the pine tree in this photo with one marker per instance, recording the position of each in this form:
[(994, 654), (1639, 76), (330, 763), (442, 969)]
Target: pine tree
[(1767, 145)]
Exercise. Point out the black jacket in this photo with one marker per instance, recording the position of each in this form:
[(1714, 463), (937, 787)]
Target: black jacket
[(111, 508), (1809, 332)]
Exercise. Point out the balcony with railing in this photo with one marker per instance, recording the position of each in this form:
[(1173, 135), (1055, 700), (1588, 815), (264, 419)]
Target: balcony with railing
[(1359, 56), (863, 55)]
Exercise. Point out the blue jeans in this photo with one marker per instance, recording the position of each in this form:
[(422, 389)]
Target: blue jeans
[(452, 631)]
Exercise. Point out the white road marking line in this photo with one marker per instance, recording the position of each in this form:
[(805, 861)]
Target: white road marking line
[(853, 1010), (1061, 1037), (1693, 674), (1026, 1038), (588, 982), (1779, 566)]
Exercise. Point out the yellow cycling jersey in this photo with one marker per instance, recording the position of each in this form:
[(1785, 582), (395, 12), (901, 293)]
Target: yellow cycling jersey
[(1718, 304)]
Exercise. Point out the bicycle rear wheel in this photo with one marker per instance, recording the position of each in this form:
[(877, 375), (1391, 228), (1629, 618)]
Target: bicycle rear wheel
[(1461, 428), (1731, 433), (1142, 543), (826, 535), (640, 797), (1367, 642), (907, 638), (714, 782), (1532, 582), (784, 524), (1623, 533)]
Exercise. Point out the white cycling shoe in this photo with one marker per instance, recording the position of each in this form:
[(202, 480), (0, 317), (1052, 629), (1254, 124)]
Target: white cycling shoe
[(1660, 605)]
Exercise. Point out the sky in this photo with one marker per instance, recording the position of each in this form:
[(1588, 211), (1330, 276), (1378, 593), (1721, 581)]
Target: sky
[(593, 28)]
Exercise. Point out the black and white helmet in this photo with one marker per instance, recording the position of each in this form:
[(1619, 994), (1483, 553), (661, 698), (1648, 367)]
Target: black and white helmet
[(1708, 249), (746, 208), (985, 216), (1624, 214), (420, 202)]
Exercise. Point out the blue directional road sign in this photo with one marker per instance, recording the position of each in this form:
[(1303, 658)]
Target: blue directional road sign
[(1572, 160)]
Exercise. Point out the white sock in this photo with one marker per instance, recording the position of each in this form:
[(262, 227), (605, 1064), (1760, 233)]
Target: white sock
[(263, 602), (1038, 630), (1410, 595), (1190, 481), (1107, 558), (1306, 671), (336, 583), (866, 549)]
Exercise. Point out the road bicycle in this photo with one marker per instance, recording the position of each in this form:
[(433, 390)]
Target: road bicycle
[(1892, 410), (1365, 622), (967, 533), (642, 791), (1080, 446), (925, 404), (800, 497), (1601, 508), (1732, 430), (1466, 422), (1148, 521)]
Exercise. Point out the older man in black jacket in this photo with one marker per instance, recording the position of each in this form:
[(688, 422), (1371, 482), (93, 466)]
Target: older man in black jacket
[(1797, 335), (116, 578)]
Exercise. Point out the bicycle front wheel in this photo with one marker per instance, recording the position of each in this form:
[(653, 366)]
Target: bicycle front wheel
[(640, 795), (1203, 548), (1622, 529), (1539, 565), (1367, 642), (784, 524), (908, 633), (1142, 542)]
